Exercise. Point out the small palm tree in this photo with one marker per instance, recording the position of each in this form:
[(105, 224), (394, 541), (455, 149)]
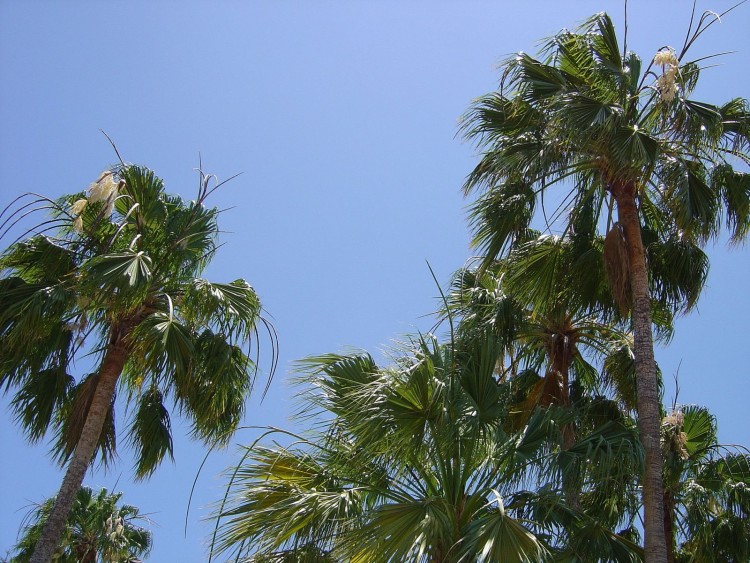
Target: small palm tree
[(624, 141), (97, 529), (115, 274), (402, 472)]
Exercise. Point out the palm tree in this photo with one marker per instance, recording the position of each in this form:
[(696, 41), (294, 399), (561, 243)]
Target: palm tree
[(705, 498), (407, 463), (97, 529), (587, 116), (114, 274)]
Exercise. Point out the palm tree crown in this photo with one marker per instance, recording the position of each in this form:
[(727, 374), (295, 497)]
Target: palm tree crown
[(706, 489), (586, 115)]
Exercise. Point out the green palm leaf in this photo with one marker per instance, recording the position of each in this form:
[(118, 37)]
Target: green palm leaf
[(150, 433), (117, 271), (41, 394)]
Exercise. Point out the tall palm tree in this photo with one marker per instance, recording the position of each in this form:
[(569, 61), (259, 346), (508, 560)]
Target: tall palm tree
[(407, 463), (114, 275), (587, 116), (97, 529)]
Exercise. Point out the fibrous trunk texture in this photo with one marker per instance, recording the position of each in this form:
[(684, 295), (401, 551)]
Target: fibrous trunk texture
[(649, 402)]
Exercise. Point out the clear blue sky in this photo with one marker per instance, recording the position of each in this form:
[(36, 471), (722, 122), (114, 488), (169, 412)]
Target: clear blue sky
[(342, 117)]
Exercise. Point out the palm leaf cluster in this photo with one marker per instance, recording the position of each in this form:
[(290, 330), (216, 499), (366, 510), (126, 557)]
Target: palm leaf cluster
[(418, 462), (588, 118), (706, 489), (559, 343), (587, 115)]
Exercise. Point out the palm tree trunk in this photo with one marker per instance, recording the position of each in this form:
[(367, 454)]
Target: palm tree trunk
[(109, 371), (649, 402)]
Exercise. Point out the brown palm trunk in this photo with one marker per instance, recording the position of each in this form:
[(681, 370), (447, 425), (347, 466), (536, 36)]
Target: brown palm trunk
[(109, 371), (649, 402)]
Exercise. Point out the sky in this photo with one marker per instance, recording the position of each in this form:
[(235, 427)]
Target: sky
[(342, 118)]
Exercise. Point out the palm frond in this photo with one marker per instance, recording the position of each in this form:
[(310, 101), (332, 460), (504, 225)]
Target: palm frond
[(150, 433), (40, 396), (221, 377), (232, 309)]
